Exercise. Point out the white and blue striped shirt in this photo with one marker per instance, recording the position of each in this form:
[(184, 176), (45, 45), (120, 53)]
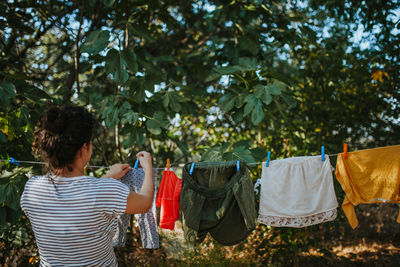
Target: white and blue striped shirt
[(74, 219)]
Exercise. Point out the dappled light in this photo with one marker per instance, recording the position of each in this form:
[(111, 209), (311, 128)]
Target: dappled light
[(248, 82)]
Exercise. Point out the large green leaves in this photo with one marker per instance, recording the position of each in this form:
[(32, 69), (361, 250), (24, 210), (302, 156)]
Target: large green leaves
[(7, 91), (96, 42), (129, 58), (156, 122), (254, 100), (118, 63), (238, 151), (173, 100)]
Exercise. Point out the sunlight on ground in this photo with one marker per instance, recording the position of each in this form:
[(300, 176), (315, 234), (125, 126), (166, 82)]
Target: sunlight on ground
[(364, 250)]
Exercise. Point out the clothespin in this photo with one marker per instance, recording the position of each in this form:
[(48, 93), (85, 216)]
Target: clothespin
[(323, 153), (168, 165), (136, 164), (345, 150), (238, 165), (191, 169), (268, 157), (14, 161)]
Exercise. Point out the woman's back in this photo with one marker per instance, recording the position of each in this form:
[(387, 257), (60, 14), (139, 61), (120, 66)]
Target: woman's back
[(74, 218)]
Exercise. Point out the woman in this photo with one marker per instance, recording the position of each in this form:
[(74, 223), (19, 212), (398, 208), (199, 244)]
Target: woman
[(73, 216)]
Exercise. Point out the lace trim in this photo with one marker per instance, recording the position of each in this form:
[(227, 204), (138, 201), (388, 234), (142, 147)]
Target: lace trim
[(302, 221)]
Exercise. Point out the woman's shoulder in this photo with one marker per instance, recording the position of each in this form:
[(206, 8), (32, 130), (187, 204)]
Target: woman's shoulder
[(109, 182)]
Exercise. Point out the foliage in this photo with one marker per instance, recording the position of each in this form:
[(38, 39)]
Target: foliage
[(199, 80)]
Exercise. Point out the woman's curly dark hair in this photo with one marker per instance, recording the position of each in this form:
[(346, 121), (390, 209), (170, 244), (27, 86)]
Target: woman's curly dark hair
[(61, 132)]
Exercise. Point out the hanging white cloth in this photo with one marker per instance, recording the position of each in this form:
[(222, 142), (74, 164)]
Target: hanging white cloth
[(297, 192)]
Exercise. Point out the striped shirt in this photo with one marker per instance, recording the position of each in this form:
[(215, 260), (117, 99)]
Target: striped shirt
[(74, 219)]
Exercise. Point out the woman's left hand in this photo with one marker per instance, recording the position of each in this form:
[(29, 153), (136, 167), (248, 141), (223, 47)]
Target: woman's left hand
[(117, 171)]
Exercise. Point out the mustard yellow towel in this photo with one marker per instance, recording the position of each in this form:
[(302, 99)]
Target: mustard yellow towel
[(369, 176)]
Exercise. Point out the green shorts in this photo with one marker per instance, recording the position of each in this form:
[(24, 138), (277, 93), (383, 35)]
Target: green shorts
[(219, 200)]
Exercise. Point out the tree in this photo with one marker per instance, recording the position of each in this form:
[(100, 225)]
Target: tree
[(199, 80)]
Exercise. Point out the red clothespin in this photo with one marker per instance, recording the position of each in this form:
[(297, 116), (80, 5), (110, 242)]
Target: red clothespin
[(168, 165), (345, 150)]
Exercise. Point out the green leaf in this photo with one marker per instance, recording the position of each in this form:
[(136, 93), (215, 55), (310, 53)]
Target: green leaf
[(259, 154), (241, 153), (174, 104), (96, 41), (273, 89), (212, 77), (248, 63), (115, 65), (227, 70), (248, 44), (268, 97), (112, 61), (165, 100), (227, 102), (262, 92), (3, 188), (130, 117), (172, 99), (9, 88), (251, 101), (130, 59), (140, 94), (259, 90), (289, 100), (212, 154), (109, 3), (157, 122), (141, 31), (258, 113), (239, 101), (183, 147), (121, 75), (11, 196), (238, 116), (4, 100), (33, 93), (139, 136), (244, 143), (3, 137), (13, 215)]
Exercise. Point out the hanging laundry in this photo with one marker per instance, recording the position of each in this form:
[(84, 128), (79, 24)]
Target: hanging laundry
[(168, 199), (297, 192), (219, 199), (369, 176), (147, 221)]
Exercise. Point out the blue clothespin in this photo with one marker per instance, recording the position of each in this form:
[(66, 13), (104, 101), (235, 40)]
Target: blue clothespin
[(238, 165), (191, 169), (268, 157), (136, 164), (323, 153), (14, 161)]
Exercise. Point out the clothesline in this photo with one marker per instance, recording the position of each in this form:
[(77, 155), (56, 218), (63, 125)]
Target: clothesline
[(179, 165)]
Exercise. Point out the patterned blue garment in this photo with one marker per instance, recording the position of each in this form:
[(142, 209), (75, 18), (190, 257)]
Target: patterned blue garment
[(147, 222)]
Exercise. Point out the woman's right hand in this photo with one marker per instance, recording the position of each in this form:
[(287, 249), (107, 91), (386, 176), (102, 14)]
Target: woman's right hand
[(145, 160)]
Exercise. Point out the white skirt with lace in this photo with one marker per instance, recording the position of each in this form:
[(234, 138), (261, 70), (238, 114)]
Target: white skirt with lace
[(297, 192)]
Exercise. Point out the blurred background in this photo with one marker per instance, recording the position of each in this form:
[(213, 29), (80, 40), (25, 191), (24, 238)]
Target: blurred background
[(207, 81)]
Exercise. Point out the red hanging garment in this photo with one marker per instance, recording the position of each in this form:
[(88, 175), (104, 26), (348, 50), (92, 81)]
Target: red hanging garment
[(168, 199)]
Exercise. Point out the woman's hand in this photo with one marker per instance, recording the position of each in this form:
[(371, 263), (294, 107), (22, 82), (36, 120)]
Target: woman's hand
[(145, 160), (117, 171), (141, 202)]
